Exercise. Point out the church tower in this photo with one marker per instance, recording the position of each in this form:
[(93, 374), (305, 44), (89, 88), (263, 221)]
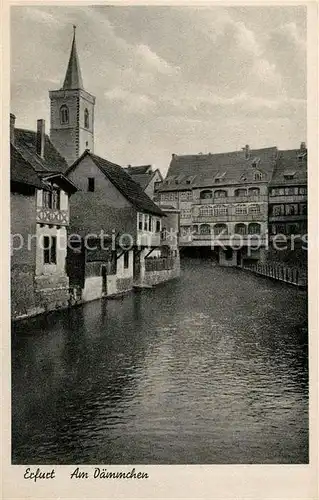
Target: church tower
[(72, 113)]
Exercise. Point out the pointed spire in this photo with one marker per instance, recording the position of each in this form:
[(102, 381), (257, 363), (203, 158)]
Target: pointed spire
[(73, 77)]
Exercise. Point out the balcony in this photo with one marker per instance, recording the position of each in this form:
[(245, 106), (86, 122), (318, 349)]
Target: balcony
[(232, 240), (232, 199), (231, 218), (301, 198), (52, 216), (287, 218)]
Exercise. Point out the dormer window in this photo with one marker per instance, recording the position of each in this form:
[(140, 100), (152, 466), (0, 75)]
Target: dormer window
[(64, 114), (86, 118), (302, 156), (258, 176), (289, 175), (255, 162)]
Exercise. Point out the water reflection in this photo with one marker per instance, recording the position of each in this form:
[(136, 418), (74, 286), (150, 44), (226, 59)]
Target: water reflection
[(208, 369)]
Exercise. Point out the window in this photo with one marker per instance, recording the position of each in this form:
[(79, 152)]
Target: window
[(145, 222), (150, 223), (91, 184), (289, 191), (51, 199), (49, 249), (140, 221), (253, 192), (241, 210), (302, 190), (220, 229), (291, 209), (86, 119), (158, 226), (185, 195), (221, 210), (274, 192), (56, 199), (254, 209), (240, 229), (278, 229), (303, 209), (126, 260), (240, 192), (204, 229), (220, 193), (206, 210), (186, 213), (278, 210), (171, 196), (258, 176), (204, 195), (254, 229), (64, 114)]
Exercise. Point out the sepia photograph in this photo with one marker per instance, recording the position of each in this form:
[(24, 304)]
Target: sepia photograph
[(159, 236)]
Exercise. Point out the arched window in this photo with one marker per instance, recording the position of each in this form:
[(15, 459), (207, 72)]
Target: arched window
[(220, 193), (64, 114), (258, 176), (240, 229), (254, 209), (240, 192), (207, 193), (204, 229), (253, 191), (254, 228), (86, 118), (220, 229)]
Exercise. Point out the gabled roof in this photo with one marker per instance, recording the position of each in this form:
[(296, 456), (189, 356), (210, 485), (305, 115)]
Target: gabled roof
[(73, 77), (289, 164), (143, 179), (138, 169), (28, 167), (202, 170), (123, 182), (21, 171), (25, 142)]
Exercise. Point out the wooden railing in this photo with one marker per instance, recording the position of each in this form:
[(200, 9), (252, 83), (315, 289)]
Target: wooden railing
[(292, 275)]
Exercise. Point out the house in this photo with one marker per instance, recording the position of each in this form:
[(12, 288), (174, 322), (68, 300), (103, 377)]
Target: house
[(223, 201), (145, 177), (39, 201), (118, 228), (288, 204)]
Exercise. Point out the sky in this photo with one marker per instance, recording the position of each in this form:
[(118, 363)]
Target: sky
[(168, 80)]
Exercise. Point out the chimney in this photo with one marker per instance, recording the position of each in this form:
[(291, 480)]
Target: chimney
[(173, 155), (303, 147), (246, 149), (40, 137), (12, 125)]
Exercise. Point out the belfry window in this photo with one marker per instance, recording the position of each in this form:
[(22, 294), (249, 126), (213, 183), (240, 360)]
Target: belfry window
[(64, 114), (86, 119)]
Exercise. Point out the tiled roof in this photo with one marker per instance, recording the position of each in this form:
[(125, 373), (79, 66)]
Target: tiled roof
[(289, 164), (25, 143), (138, 169), (189, 171), (123, 182), (21, 171), (142, 179)]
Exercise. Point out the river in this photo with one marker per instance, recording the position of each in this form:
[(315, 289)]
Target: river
[(208, 369)]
